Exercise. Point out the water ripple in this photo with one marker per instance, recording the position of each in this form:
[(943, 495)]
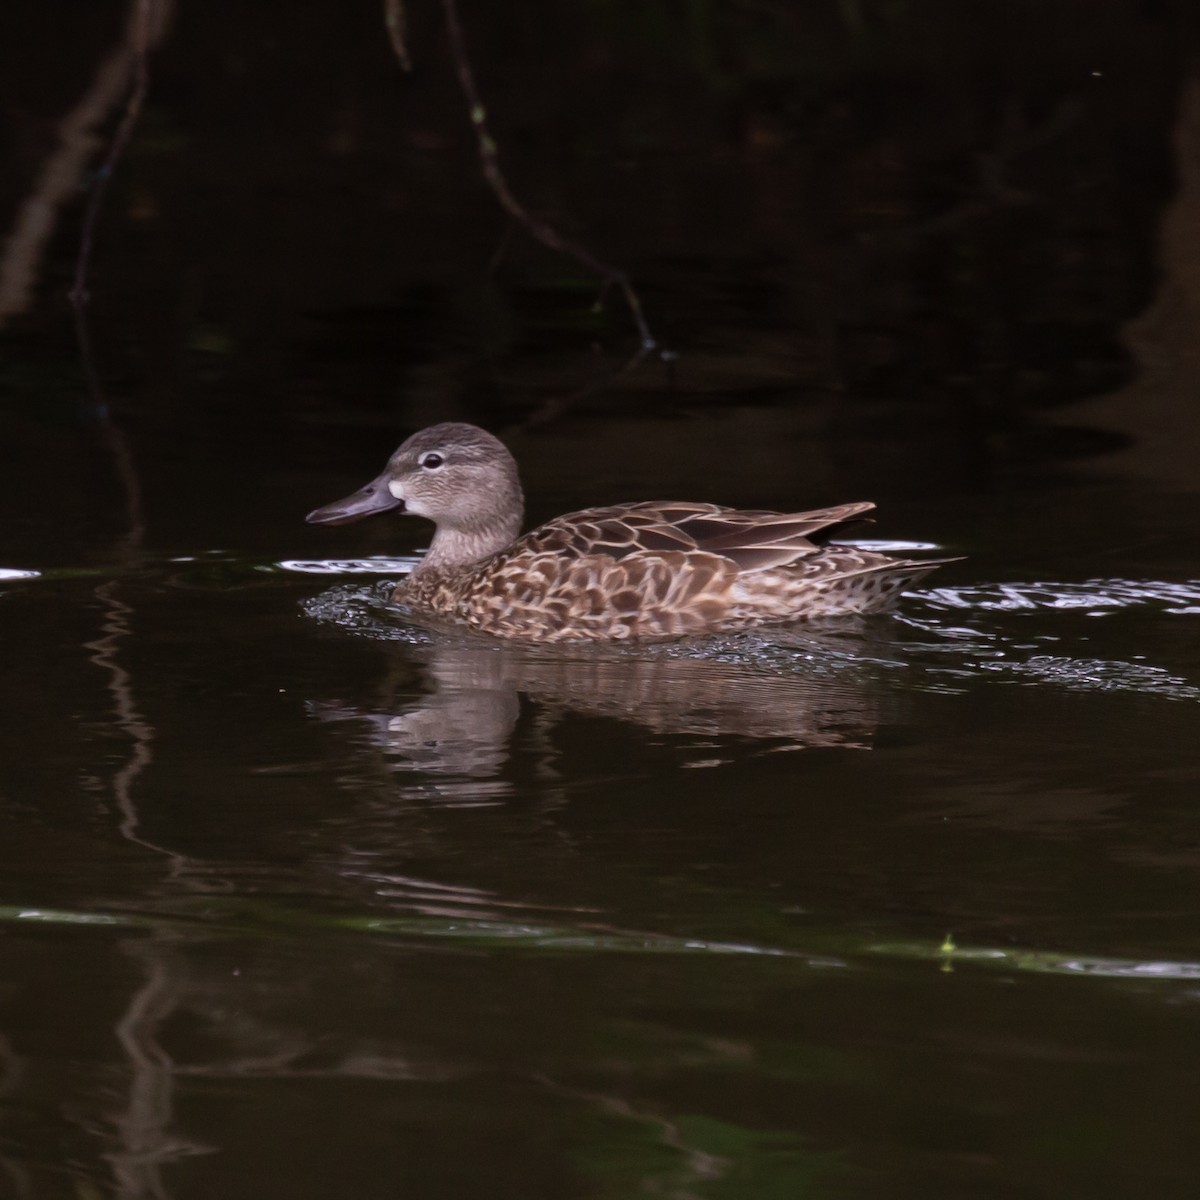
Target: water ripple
[(376, 564), (365, 610), (1091, 596), (1099, 675)]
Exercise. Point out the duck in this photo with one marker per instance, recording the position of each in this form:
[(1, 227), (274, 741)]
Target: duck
[(649, 570)]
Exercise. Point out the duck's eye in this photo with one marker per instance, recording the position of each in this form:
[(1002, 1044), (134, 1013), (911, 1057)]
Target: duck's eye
[(431, 462)]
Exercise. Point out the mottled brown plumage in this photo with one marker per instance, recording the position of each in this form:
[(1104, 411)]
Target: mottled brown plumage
[(650, 570)]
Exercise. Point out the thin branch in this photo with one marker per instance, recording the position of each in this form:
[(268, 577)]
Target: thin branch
[(60, 176), (148, 22), (489, 159), (397, 27)]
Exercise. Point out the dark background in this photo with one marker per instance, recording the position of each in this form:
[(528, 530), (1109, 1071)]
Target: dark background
[(934, 216)]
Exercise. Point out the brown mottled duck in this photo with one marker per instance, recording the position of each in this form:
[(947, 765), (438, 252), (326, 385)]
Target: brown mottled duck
[(648, 570)]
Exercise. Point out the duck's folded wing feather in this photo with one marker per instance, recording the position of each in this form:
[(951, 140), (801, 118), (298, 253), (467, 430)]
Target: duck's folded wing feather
[(754, 540), (761, 541)]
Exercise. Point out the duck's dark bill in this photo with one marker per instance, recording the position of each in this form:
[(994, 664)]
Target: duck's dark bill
[(374, 498)]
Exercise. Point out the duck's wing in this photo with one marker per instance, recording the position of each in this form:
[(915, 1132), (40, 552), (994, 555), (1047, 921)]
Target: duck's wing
[(754, 540)]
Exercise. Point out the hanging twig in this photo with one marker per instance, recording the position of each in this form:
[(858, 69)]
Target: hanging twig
[(397, 27), (148, 22), (60, 176), (490, 161)]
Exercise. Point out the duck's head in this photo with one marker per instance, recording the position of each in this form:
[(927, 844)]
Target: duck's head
[(458, 476)]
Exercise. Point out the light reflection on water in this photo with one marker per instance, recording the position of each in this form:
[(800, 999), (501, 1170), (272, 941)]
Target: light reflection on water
[(1091, 596), (441, 912), (985, 650), (373, 565)]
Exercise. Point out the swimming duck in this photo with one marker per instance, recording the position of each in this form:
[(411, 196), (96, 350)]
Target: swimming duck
[(651, 570)]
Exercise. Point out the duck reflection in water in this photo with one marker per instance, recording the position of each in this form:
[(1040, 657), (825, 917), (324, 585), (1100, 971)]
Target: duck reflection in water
[(815, 688)]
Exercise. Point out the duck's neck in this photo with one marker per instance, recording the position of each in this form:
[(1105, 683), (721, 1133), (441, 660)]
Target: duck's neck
[(455, 549)]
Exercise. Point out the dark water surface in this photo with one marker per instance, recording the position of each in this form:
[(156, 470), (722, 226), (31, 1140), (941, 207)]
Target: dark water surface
[(299, 901)]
